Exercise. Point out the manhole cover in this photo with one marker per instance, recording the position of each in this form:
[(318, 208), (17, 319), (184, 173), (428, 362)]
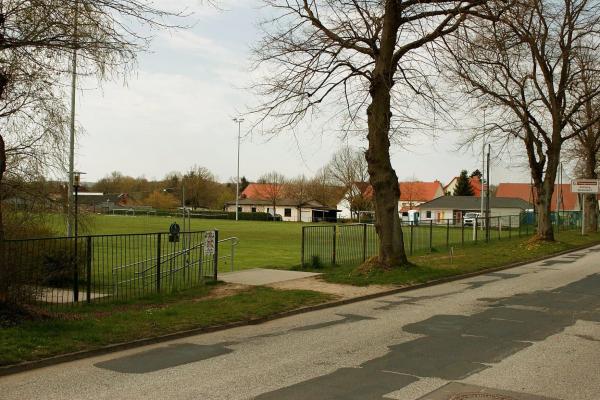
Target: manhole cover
[(480, 396)]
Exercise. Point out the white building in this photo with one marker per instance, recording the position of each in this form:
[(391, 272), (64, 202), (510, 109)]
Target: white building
[(453, 208), (289, 210), (412, 194)]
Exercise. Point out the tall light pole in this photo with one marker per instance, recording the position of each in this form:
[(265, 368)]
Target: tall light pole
[(238, 120), (70, 204)]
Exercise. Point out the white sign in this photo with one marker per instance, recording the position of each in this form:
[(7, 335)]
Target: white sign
[(209, 242), (585, 186)]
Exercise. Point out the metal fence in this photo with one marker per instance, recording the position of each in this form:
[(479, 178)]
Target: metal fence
[(68, 270), (354, 243)]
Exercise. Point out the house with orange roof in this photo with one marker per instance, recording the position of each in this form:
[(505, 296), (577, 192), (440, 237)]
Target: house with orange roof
[(412, 194), (273, 199), (562, 196)]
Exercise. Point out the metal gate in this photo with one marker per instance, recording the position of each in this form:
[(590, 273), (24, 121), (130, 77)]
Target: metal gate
[(177, 264)]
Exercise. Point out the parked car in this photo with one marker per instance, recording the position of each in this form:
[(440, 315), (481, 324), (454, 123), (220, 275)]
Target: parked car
[(470, 218)]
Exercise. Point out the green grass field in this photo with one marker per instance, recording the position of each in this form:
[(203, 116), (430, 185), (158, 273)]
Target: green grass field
[(278, 244), (261, 243)]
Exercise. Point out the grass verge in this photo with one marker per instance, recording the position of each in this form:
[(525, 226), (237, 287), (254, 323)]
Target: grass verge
[(470, 258), (89, 327)]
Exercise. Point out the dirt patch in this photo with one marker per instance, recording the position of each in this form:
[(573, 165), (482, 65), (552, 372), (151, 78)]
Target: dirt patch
[(317, 284), (225, 290)]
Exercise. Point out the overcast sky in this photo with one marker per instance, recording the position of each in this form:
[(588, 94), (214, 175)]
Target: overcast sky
[(176, 110)]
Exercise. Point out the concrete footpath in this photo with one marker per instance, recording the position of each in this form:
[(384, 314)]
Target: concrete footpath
[(528, 333)]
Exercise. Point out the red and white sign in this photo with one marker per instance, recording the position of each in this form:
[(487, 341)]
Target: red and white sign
[(585, 186)]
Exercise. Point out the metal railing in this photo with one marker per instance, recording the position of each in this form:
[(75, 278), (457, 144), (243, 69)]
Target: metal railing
[(104, 268), (233, 241), (354, 243)]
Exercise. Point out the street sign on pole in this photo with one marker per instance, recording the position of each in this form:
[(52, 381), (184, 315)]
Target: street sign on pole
[(585, 186)]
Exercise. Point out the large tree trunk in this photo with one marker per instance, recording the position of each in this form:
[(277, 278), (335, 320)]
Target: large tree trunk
[(382, 176), (543, 200), (2, 171), (544, 190), (591, 200), (384, 181), (3, 263)]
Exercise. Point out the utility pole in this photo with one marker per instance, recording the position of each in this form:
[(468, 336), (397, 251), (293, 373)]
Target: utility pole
[(483, 173), (487, 195), (70, 205), (239, 121)]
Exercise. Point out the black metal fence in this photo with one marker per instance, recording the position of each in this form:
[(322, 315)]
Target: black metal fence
[(68, 270), (355, 243)]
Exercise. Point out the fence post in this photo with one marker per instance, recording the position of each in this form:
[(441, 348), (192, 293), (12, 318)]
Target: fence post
[(88, 270), (333, 255), (158, 256), (430, 235), (462, 231), (499, 228), (76, 271), (475, 226), (447, 233), (509, 226), (364, 242), (411, 237), (216, 257), (302, 252)]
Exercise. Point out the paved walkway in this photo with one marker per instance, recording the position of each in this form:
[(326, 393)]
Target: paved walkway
[(531, 332), (263, 276)]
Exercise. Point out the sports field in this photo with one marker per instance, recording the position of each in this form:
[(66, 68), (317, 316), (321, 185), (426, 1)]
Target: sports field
[(269, 244), (261, 243)]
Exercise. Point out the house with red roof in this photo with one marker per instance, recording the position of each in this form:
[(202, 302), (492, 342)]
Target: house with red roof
[(412, 194), (475, 182), (274, 199), (562, 196)]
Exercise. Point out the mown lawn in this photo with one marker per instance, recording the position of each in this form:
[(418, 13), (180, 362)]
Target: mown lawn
[(470, 258), (89, 327), (263, 244)]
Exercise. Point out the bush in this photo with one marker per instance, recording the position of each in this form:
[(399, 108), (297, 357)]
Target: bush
[(59, 263), (315, 262)]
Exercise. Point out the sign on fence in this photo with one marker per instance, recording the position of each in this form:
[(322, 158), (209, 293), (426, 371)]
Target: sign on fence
[(209, 242), (585, 186)]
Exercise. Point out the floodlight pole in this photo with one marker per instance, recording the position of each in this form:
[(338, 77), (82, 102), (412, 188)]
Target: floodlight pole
[(487, 196), (239, 121), (70, 205), (483, 177)]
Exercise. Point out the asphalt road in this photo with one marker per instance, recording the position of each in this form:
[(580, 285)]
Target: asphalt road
[(532, 330)]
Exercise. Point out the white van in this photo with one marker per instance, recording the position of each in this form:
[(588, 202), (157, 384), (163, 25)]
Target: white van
[(410, 216)]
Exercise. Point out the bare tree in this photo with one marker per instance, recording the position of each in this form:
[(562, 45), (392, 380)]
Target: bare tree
[(587, 144), (520, 62), (348, 169), (321, 189), (297, 189), (39, 40), (274, 187), (364, 55)]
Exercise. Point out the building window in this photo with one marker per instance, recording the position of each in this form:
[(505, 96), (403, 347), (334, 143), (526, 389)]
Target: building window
[(253, 209), (405, 214), (428, 214), (287, 212)]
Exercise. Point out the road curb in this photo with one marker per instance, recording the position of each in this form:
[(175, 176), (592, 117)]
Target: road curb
[(63, 358)]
